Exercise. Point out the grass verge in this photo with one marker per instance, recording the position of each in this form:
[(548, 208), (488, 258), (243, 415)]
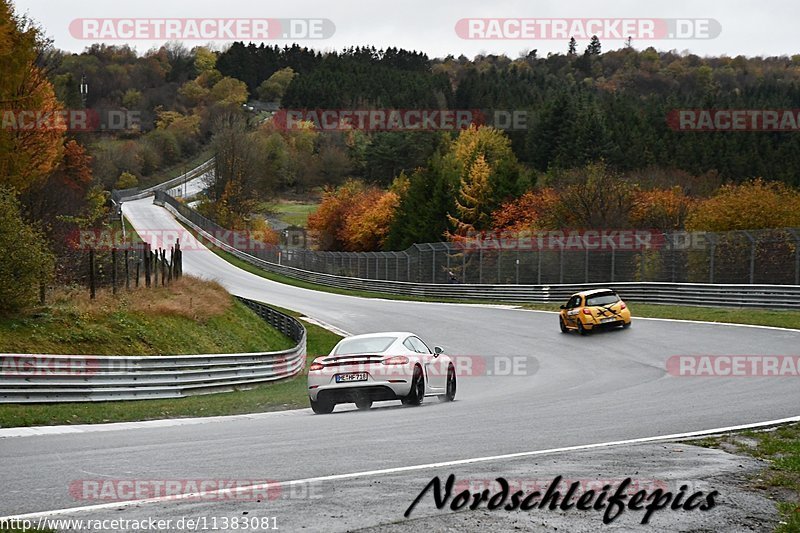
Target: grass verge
[(780, 447), (292, 212), (189, 316), (279, 396)]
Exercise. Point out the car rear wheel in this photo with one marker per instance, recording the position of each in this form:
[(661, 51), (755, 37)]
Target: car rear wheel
[(561, 324), (322, 408), (417, 389), (626, 325), (581, 329), (450, 391), (364, 404)]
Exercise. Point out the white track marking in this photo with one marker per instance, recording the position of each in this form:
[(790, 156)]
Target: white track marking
[(396, 470), (325, 325)]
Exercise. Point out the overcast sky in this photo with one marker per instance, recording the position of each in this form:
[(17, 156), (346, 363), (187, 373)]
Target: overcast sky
[(763, 27)]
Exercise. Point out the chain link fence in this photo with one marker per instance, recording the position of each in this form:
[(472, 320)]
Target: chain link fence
[(752, 257)]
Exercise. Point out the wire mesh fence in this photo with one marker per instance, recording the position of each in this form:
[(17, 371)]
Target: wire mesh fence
[(754, 257)]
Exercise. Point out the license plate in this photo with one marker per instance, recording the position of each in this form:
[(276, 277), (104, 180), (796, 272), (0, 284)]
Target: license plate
[(606, 320), (347, 378)]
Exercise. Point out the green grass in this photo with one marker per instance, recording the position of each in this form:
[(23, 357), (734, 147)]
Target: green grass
[(282, 395), (294, 213), (187, 317), (780, 447)]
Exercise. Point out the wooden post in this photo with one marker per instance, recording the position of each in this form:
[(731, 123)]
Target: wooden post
[(163, 267), (147, 265), (155, 268), (178, 259), (92, 289), (127, 272), (138, 264), (171, 263), (114, 271)]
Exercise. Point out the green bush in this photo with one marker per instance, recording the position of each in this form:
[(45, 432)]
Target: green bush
[(26, 260)]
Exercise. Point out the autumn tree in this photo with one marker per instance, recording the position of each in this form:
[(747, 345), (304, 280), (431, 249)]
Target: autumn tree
[(756, 204), (274, 87), (28, 151), (536, 209)]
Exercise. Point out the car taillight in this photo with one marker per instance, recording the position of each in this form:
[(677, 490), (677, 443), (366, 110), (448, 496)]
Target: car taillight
[(396, 360), (316, 366), (587, 311), (622, 306)]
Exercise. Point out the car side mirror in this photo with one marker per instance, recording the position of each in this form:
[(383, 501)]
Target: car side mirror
[(437, 350)]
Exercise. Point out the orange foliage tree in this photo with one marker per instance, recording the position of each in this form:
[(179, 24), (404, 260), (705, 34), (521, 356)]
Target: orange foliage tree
[(353, 217), (533, 210), (663, 209)]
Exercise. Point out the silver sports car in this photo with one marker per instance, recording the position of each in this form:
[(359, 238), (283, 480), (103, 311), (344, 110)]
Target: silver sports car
[(380, 366)]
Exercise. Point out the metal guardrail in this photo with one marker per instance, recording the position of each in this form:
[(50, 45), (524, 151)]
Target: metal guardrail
[(127, 195), (69, 378), (702, 294)]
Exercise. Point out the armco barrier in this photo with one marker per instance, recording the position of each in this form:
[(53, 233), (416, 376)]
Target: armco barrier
[(702, 294), (128, 195), (65, 378)]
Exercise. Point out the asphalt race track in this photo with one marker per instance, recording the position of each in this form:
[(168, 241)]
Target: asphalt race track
[(577, 390)]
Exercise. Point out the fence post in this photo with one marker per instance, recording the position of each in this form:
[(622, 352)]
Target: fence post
[(113, 271), (92, 288), (586, 260), (796, 257), (433, 263), (146, 259), (127, 272), (561, 264), (517, 265), (539, 266), (163, 264), (613, 258), (138, 263), (752, 256), (480, 265), (711, 259)]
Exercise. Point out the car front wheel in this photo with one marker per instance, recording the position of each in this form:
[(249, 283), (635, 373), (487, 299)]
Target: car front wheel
[(561, 324), (450, 391)]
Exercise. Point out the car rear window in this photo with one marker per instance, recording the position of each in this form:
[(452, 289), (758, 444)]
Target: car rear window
[(368, 345), (602, 299)]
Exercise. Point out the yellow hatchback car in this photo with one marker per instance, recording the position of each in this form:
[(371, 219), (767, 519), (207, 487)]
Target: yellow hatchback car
[(589, 310)]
